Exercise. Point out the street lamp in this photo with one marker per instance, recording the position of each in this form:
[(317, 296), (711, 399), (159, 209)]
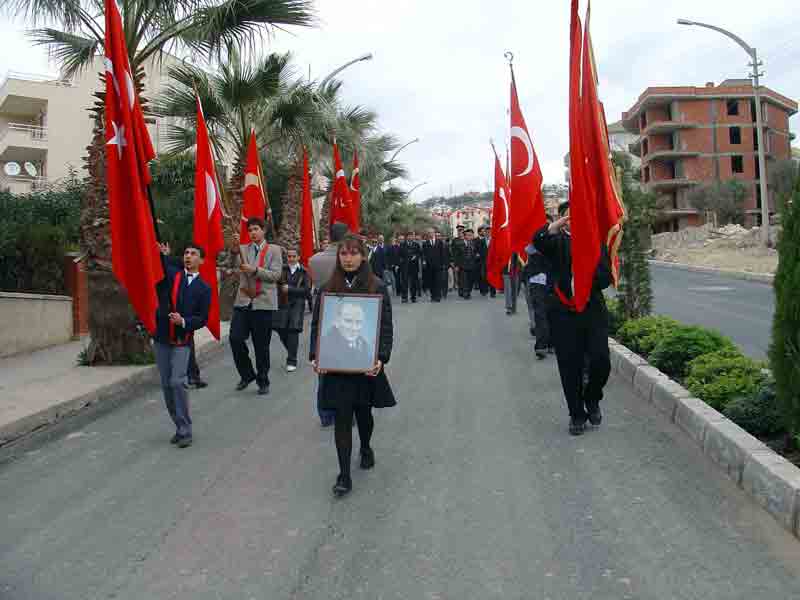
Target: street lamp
[(419, 185), (332, 74), (401, 148), (762, 162)]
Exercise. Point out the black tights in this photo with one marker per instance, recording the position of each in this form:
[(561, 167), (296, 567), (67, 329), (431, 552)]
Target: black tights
[(343, 432)]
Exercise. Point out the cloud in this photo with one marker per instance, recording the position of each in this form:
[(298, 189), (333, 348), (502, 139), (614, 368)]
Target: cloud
[(439, 74)]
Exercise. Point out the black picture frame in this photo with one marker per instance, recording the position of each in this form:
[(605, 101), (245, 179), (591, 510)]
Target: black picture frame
[(335, 353)]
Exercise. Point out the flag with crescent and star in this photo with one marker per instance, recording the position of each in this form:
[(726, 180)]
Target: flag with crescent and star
[(500, 246), (526, 202), (207, 217), (306, 216), (355, 192), (341, 202), (599, 168), (254, 197), (135, 256)]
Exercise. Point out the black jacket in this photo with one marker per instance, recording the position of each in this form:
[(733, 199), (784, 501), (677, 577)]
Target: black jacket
[(378, 261), (457, 249), (556, 249), (392, 256), (410, 255), (290, 315), (436, 255), (193, 304)]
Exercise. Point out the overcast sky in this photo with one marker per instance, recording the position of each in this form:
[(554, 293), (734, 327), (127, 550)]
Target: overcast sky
[(439, 73)]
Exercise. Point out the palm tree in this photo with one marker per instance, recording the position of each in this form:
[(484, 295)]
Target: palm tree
[(202, 27)]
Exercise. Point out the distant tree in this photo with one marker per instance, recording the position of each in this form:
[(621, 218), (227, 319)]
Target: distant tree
[(782, 178), (724, 199), (784, 352)]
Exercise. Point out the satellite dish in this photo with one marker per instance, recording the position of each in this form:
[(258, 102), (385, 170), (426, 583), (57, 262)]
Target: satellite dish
[(12, 169), (30, 169)]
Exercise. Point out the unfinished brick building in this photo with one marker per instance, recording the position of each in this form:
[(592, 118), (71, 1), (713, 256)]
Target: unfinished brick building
[(690, 136)]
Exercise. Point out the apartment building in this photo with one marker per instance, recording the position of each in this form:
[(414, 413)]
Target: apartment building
[(45, 125), (688, 136)]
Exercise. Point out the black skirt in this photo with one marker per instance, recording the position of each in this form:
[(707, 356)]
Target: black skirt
[(344, 392)]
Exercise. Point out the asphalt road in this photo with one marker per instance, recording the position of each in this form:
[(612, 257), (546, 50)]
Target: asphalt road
[(742, 310), (478, 493)]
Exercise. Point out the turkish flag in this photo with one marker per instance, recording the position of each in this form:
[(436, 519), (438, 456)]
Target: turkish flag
[(207, 217), (254, 197), (526, 202), (610, 211), (306, 216), (135, 256), (500, 245), (341, 207), (355, 192)]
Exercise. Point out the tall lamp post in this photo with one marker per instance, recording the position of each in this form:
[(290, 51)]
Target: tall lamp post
[(762, 161), (419, 185), (335, 72), (406, 145)]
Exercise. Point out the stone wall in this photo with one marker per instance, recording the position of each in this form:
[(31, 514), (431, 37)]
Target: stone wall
[(32, 321)]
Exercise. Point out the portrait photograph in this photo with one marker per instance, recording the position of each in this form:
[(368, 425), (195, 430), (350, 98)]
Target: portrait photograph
[(349, 327)]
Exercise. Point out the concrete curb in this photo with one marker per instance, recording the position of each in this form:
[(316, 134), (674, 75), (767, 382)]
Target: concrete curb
[(11, 432), (766, 278), (771, 480)]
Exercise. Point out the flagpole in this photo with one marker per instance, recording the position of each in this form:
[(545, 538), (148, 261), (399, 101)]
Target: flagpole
[(153, 213)]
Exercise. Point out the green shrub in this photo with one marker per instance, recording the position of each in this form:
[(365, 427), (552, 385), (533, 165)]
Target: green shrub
[(642, 335), (615, 318), (759, 413), (680, 345), (719, 377)]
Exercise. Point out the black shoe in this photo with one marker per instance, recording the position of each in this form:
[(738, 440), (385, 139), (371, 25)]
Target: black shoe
[(184, 441), (367, 458), (326, 424), (404, 301), (198, 384), (540, 354), (595, 415), (413, 301), (175, 439), (344, 485), (533, 332), (263, 390), (244, 383), (577, 426), (508, 311)]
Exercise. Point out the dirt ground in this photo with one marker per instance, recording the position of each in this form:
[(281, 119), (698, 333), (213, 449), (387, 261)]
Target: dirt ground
[(732, 247)]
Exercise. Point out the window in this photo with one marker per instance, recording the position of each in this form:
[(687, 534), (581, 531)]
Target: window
[(737, 164), (733, 108), (735, 135), (758, 197)]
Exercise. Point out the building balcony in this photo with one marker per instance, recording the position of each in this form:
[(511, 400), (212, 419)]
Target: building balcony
[(26, 94), (22, 142), (669, 155), (665, 185), (658, 127)]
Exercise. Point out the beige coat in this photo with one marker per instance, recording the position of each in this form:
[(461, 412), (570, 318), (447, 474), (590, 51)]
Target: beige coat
[(269, 275)]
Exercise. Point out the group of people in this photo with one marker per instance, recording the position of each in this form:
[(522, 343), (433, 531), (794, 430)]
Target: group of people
[(273, 296)]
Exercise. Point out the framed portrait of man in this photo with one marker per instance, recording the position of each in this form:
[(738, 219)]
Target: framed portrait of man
[(349, 326)]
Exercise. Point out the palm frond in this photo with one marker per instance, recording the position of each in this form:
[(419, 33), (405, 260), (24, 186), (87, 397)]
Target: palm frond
[(243, 23), (71, 51), (69, 14)]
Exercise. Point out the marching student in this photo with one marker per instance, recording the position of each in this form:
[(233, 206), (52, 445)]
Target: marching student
[(260, 269), (183, 303), (536, 279), (295, 286), (580, 338), (355, 394)]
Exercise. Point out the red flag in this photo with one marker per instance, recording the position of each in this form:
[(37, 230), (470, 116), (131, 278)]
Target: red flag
[(341, 208), (610, 211), (135, 256), (527, 203), (355, 192), (500, 245), (254, 198), (306, 216), (207, 217)]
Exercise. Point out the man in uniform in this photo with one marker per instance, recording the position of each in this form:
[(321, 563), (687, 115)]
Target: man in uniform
[(580, 338), (470, 265), (411, 259), (457, 257), (435, 256)]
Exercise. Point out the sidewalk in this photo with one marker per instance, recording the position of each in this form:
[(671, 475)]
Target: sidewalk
[(45, 386)]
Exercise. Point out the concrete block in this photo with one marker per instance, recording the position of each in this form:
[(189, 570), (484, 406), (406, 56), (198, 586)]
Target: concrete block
[(666, 394), (693, 416), (615, 355), (774, 483), (628, 364), (644, 381), (729, 445)]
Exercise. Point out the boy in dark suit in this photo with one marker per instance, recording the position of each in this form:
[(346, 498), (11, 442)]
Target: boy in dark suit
[(183, 303)]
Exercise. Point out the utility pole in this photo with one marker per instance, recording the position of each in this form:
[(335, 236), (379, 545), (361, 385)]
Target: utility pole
[(762, 160)]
